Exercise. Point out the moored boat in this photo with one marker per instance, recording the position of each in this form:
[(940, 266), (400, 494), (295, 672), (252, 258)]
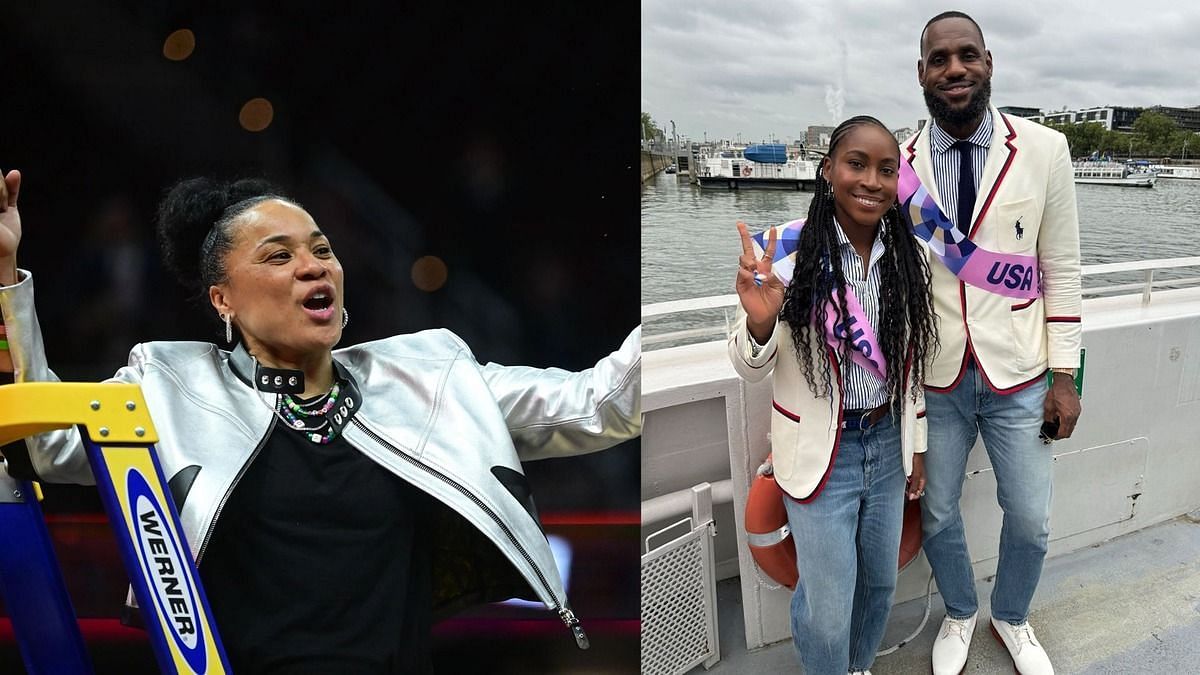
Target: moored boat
[(1185, 172), (1090, 172), (766, 165)]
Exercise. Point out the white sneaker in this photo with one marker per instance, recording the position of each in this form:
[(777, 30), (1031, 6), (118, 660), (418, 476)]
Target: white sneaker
[(1028, 656), (952, 644)]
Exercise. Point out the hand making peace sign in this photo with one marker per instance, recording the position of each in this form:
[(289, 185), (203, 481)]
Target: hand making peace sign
[(762, 303)]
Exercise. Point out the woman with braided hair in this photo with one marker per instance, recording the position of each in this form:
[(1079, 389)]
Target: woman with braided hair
[(851, 284)]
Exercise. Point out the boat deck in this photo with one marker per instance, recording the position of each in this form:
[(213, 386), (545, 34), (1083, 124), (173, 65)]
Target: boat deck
[(1127, 605), (1121, 588)]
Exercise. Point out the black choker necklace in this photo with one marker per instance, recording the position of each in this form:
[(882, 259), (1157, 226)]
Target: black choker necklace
[(278, 380)]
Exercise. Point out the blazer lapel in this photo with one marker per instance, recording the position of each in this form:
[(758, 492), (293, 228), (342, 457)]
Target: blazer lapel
[(1000, 156)]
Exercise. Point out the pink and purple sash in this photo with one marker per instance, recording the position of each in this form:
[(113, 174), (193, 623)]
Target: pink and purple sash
[(865, 349), (1010, 275)]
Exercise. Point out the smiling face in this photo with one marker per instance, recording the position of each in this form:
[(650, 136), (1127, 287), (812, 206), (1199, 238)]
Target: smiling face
[(863, 170), (955, 71), (283, 286)]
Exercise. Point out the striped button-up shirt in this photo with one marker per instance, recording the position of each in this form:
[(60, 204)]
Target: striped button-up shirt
[(947, 160), (862, 389)]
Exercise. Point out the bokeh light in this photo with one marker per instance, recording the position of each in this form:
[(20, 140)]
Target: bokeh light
[(179, 45), (256, 114), (429, 273)]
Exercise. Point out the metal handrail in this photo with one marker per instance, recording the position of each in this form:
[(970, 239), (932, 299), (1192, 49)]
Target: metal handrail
[(1146, 286)]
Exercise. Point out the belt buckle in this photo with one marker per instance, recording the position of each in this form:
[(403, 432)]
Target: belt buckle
[(860, 423)]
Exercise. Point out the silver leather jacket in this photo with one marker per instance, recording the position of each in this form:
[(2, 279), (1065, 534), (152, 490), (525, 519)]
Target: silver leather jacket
[(430, 413)]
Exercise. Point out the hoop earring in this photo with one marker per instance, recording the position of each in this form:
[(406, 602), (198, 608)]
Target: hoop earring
[(345, 317), (228, 329)]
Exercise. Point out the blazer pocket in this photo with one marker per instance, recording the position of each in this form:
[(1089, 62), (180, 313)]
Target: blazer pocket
[(1016, 226), (785, 439), (795, 417), (1028, 334)]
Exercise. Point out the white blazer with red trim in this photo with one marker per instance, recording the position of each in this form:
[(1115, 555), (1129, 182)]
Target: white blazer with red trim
[(805, 429), (1025, 205)]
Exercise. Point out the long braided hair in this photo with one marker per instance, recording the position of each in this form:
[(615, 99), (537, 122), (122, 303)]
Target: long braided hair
[(905, 329)]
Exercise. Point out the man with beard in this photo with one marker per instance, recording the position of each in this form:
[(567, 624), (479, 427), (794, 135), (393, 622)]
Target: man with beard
[(1007, 185)]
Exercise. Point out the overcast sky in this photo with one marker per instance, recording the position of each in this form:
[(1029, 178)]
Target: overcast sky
[(767, 68)]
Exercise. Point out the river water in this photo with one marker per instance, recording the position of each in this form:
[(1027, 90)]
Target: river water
[(690, 245)]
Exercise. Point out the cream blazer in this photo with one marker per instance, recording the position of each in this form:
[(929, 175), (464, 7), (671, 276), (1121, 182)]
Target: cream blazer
[(1026, 205), (805, 429)]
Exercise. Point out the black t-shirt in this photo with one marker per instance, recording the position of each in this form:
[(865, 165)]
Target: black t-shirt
[(320, 564)]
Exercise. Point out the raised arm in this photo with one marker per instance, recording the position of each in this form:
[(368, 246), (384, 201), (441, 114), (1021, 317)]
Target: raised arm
[(56, 456), (553, 412)]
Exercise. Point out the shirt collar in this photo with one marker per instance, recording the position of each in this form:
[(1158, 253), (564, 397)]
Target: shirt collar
[(941, 141), (876, 246)]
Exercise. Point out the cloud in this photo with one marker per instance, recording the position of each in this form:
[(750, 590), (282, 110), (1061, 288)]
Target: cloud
[(772, 68)]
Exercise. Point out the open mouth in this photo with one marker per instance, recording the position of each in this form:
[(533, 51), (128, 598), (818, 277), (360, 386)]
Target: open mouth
[(318, 302), (868, 202)]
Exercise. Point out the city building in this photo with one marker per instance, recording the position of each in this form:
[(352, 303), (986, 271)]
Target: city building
[(1113, 118), (1188, 119), (818, 137), (1020, 111)]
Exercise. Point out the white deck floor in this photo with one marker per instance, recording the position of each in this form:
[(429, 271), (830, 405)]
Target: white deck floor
[(1128, 605)]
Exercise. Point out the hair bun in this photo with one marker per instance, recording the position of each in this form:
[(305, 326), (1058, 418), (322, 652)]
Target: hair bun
[(188, 212)]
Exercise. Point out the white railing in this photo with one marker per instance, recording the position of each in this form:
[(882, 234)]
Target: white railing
[(1147, 267), (729, 302)]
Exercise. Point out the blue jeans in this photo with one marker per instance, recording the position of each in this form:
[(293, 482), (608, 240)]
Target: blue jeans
[(1023, 467), (847, 545)]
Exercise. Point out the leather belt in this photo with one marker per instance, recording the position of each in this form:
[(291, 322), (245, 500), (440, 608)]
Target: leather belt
[(863, 419)]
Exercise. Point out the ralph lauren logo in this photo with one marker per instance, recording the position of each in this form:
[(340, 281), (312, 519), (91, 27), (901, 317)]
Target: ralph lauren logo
[(1018, 229)]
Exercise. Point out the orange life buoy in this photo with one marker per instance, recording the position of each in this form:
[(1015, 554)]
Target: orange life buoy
[(745, 169), (770, 538), (767, 530)]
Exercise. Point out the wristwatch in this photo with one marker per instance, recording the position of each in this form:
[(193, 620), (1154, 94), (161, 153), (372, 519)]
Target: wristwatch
[(1070, 372)]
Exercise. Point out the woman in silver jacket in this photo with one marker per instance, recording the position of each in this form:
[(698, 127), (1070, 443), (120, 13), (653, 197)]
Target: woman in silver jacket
[(353, 492)]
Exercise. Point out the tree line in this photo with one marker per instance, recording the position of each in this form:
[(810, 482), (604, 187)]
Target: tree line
[(1154, 135), (650, 130)]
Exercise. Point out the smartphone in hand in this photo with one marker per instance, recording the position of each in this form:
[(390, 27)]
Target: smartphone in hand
[(1049, 431)]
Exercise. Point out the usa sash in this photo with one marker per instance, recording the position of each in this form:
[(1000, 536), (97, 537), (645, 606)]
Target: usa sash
[(1010, 275)]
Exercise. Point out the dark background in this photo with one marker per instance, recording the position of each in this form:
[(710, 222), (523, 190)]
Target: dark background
[(499, 139)]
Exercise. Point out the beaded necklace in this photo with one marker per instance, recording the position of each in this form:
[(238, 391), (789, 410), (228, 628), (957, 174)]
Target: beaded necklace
[(319, 420), (299, 415)]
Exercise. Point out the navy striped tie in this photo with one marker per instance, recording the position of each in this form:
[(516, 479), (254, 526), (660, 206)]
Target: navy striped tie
[(966, 186)]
